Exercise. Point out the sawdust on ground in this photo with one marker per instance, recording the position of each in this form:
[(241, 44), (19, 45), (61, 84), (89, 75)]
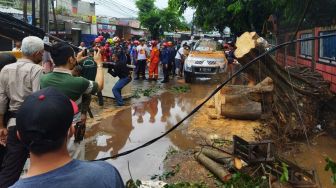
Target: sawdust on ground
[(206, 124)]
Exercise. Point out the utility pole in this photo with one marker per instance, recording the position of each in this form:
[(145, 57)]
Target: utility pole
[(192, 25), (33, 13), (54, 14), (25, 4), (44, 15)]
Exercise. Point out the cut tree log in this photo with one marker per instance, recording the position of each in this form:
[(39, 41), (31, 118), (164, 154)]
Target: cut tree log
[(218, 170), (298, 91), (218, 156), (244, 102)]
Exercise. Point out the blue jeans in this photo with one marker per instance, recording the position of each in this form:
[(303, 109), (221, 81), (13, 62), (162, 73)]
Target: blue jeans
[(177, 68), (116, 90)]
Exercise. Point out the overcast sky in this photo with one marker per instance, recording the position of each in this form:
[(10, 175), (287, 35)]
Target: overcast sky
[(127, 8)]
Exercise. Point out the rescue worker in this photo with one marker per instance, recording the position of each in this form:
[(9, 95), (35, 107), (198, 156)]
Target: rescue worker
[(165, 58), (154, 62)]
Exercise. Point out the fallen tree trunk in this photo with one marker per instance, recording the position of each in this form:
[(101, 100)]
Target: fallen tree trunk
[(218, 156), (298, 91), (215, 168), (244, 102)]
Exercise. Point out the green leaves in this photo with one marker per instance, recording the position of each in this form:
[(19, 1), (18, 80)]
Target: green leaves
[(180, 89), (284, 177), (331, 165), (146, 92), (167, 174), (154, 19)]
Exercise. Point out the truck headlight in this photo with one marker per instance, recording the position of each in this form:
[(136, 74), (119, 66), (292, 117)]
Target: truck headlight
[(188, 66)]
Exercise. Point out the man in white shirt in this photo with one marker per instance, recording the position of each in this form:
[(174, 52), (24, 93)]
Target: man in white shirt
[(142, 55), (82, 46), (178, 60), (17, 81), (17, 47)]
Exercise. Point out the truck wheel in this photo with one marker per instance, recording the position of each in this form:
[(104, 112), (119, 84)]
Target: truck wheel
[(189, 77)]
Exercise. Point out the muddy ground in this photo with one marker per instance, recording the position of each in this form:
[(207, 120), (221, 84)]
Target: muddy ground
[(114, 130)]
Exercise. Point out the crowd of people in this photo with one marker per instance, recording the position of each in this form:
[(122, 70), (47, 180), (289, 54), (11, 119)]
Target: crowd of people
[(41, 114), (144, 55), (45, 98)]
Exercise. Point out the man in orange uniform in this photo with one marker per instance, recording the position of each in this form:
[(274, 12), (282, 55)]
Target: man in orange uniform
[(154, 62)]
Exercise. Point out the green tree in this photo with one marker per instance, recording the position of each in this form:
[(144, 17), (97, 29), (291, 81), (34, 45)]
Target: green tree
[(157, 20), (247, 15)]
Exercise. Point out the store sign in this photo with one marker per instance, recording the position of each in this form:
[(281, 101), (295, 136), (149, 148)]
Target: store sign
[(112, 21), (134, 24), (87, 19), (137, 32), (94, 19), (106, 28), (123, 23), (103, 20)]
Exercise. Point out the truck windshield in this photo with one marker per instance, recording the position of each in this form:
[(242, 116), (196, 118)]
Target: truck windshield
[(207, 45)]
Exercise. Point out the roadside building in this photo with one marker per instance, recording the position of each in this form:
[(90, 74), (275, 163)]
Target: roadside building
[(319, 55)]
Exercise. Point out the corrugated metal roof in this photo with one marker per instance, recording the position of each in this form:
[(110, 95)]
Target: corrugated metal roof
[(10, 10)]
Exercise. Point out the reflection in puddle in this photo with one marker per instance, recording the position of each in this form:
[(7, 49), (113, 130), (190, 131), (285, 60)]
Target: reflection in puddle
[(139, 124)]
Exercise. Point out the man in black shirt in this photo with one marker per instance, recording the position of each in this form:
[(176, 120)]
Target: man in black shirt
[(121, 70)]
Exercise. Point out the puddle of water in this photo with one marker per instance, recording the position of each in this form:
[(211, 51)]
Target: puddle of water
[(140, 123), (314, 158)]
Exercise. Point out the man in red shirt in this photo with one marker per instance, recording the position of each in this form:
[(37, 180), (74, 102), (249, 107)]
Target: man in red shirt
[(154, 62)]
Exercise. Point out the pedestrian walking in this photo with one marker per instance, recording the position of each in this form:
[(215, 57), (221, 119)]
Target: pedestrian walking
[(154, 62), (119, 69), (17, 81), (142, 56), (45, 131)]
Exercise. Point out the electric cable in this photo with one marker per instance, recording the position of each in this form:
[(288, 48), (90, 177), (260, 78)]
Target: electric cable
[(107, 4), (212, 94)]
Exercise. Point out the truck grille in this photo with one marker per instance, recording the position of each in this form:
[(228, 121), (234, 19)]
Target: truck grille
[(211, 62), (209, 70), (199, 62)]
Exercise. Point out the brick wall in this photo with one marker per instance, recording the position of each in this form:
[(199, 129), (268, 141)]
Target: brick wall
[(326, 68)]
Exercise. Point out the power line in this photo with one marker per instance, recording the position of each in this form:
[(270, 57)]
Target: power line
[(125, 6), (214, 93), (112, 7)]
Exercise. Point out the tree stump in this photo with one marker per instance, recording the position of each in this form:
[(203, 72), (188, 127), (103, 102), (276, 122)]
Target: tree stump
[(243, 102), (298, 91)]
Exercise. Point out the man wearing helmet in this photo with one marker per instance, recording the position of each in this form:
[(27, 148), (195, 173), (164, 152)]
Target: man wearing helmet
[(142, 56), (154, 62), (119, 50)]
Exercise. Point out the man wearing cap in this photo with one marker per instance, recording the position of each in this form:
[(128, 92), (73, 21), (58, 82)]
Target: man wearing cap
[(17, 81), (45, 132)]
